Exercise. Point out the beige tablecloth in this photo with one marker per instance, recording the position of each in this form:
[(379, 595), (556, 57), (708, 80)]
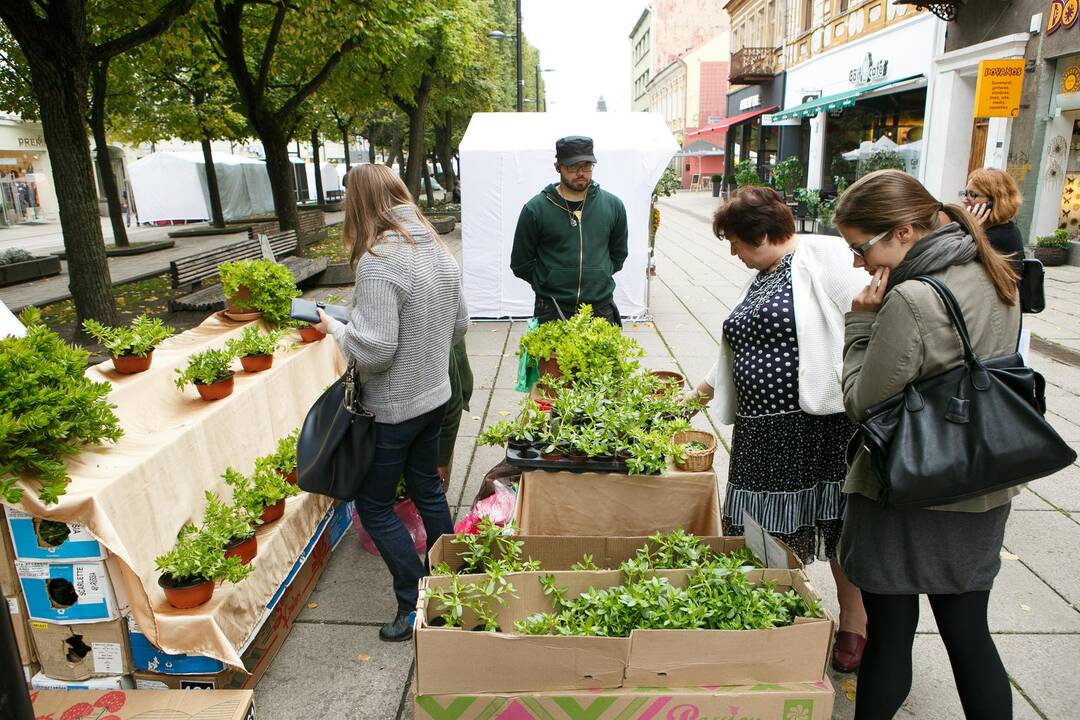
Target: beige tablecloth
[(135, 495)]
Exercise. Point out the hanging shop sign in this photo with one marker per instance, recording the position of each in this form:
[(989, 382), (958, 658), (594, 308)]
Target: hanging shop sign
[(869, 71), (1063, 14), (997, 90)]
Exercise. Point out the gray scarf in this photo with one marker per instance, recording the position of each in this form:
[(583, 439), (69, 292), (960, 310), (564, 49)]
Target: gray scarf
[(941, 248)]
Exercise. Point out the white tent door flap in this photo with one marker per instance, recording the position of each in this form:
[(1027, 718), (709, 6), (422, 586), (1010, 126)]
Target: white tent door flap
[(507, 158)]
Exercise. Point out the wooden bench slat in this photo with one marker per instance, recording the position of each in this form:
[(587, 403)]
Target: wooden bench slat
[(200, 266), (213, 297)]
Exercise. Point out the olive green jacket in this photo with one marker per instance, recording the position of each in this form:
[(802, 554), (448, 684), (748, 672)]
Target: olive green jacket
[(910, 338)]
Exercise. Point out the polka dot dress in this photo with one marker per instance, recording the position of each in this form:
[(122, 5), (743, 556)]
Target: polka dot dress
[(787, 467)]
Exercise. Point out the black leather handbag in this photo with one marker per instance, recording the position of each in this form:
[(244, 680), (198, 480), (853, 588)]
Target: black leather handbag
[(337, 442), (1032, 293), (971, 430)]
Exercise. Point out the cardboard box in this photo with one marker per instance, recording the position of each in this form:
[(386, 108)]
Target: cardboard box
[(132, 704), (787, 701), (62, 593), (9, 579), (564, 503), (86, 650), (562, 553), (20, 623), (41, 681), (340, 522), (264, 644), (78, 544), (454, 660)]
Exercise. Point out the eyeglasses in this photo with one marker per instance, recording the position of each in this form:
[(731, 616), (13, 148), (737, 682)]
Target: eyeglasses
[(963, 194), (582, 169), (860, 251)]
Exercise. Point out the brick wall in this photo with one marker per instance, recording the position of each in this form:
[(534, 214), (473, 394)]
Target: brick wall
[(713, 94)]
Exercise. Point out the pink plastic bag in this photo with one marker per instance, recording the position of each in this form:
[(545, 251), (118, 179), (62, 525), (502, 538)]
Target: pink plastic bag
[(497, 507), (409, 516)]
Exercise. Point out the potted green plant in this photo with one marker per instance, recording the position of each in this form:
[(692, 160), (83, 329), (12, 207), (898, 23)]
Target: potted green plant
[(787, 174), (190, 570), (308, 333), (255, 349), (746, 174), (257, 287), (717, 183), (210, 372), (1053, 250), (231, 525), (261, 494), (284, 458), (131, 347)]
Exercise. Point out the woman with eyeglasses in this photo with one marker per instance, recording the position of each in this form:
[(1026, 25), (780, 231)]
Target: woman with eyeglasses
[(778, 381), (993, 199), (898, 332)]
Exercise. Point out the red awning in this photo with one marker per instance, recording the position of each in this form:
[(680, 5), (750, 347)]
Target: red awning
[(733, 120)]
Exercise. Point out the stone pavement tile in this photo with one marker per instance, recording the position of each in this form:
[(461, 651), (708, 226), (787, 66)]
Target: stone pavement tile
[(1047, 543), (320, 673), (1060, 378), (472, 419), (693, 343), (484, 369), (486, 338), (649, 339), (1044, 666), (1062, 489), (1027, 500), (354, 588), (486, 457), (659, 362), (459, 472), (1068, 430), (502, 401), (1066, 405), (508, 372)]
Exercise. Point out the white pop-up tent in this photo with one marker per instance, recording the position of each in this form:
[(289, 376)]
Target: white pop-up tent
[(331, 181), (172, 186), (506, 158)]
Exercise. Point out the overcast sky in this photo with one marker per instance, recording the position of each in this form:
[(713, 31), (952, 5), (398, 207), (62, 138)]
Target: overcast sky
[(587, 43)]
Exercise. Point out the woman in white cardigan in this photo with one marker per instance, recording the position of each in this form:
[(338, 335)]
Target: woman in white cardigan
[(778, 381)]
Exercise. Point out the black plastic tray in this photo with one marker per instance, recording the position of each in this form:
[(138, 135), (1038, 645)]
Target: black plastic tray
[(538, 463)]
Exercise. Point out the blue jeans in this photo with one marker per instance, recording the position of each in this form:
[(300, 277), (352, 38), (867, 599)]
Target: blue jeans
[(409, 449)]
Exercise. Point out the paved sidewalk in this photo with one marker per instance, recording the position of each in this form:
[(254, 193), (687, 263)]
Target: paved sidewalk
[(334, 666)]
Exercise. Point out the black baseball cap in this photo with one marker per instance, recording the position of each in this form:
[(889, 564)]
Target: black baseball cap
[(574, 149)]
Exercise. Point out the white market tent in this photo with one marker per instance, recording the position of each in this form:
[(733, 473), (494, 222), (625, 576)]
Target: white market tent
[(331, 181), (172, 186), (506, 158)]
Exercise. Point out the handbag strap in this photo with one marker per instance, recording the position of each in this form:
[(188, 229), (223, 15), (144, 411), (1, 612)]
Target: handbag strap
[(952, 307)]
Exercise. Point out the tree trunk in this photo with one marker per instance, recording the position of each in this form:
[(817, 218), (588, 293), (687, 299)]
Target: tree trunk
[(345, 143), (427, 184), (217, 218), (320, 197), (443, 139), (100, 75), (395, 150), (416, 113), (371, 152), (279, 168)]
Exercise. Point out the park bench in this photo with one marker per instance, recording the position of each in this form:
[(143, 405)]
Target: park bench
[(194, 269)]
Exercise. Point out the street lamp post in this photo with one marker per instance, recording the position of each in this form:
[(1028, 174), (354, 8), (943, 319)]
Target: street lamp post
[(499, 35)]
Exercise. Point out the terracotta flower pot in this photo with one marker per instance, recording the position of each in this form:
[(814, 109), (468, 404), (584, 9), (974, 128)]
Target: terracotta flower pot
[(291, 477), (256, 363), (240, 302), (669, 377), (551, 367), (273, 512), (243, 548), (309, 334), (216, 391), (184, 594), (131, 364)]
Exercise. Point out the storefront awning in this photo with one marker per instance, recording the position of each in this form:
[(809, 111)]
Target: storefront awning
[(733, 120), (833, 102)]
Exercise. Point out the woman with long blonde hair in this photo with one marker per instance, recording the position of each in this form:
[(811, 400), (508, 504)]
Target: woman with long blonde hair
[(407, 310), (898, 332)]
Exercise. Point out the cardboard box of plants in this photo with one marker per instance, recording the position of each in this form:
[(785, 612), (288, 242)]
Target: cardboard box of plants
[(718, 621)]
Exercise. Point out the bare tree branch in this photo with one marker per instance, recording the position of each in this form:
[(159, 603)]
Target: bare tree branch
[(161, 23), (268, 51)]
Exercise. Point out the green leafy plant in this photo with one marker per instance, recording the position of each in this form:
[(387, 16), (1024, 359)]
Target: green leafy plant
[(139, 338), (258, 491), (205, 368), (883, 160), (490, 547), (49, 409), (14, 255), (271, 284), (583, 345), (284, 458), (787, 174), (826, 211), (480, 597), (694, 447), (746, 174), (224, 521), (811, 199), (670, 181), (1059, 239), (52, 533), (252, 342), (199, 555)]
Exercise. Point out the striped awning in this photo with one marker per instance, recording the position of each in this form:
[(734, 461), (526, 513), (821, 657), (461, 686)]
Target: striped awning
[(833, 102)]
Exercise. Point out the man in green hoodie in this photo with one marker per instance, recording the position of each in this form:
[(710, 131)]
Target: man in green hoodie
[(571, 239)]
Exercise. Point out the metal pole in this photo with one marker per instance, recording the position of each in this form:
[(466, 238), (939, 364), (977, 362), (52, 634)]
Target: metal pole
[(520, 78), (537, 87)]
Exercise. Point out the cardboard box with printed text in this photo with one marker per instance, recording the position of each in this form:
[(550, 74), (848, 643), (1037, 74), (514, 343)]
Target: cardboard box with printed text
[(132, 704), (85, 650)]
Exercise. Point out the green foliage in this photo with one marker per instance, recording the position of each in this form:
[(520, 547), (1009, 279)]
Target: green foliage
[(226, 522), (258, 491), (788, 174), (843, 172), (1060, 239), (480, 597), (205, 368), (138, 338), (668, 183), (883, 160), (284, 458), (201, 555), (14, 255), (694, 447), (746, 174), (584, 345), (491, 548), (48, 409), (811, 199), (530, 425), (252, 342), (271, 284)]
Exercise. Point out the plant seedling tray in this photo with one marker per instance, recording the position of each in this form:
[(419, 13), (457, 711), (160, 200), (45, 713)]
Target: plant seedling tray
[(531, 459)]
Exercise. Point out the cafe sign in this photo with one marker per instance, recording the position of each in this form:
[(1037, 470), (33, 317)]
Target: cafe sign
[(870, 71), (997, 89)]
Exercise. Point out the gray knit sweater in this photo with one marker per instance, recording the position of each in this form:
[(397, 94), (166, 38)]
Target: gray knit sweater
[(407, 310)]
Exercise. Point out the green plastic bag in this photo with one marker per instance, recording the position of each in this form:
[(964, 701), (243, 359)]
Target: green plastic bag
[(528, 368)]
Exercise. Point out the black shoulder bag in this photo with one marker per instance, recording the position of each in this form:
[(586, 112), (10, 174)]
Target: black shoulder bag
[(337, 441), (969, 431)]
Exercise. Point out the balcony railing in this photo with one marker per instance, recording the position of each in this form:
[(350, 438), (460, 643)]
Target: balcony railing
[(751, 65)]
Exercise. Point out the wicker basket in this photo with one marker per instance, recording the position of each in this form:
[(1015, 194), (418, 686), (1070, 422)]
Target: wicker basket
[(696, 461)]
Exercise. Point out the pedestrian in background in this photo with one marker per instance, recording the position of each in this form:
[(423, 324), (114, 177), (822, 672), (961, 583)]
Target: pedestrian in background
[(777, 380), (406, 313), (993, 199), (899, 332)]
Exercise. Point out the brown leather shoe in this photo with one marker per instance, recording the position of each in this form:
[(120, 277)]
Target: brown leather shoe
[(847, 651)]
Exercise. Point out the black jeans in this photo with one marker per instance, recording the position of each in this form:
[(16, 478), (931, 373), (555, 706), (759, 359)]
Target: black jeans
[(885, 674), (544, 310), (409, 449)]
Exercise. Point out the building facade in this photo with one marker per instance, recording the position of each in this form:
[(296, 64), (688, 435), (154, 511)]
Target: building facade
[(27, 192), (641, 61)]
